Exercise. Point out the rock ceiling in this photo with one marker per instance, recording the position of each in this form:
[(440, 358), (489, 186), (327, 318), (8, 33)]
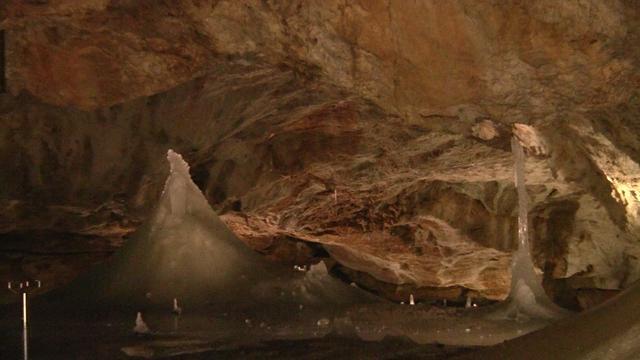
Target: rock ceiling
[(372, 132)]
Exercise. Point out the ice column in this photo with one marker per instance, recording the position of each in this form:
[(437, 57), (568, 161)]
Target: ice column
[(527, 296)]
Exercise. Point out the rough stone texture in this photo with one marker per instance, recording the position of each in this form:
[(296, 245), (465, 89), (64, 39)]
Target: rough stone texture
[(377, 129)]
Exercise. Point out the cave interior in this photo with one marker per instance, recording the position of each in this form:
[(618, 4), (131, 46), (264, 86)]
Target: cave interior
[(284, 179)]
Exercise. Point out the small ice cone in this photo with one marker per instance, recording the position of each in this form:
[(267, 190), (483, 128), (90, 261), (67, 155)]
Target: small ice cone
[(411, 300), (176, 309), (141, 327)]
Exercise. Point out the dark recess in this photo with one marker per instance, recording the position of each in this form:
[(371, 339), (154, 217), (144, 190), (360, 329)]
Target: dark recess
[(2, 62)]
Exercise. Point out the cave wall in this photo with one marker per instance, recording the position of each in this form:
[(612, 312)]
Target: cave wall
[(377, 130)]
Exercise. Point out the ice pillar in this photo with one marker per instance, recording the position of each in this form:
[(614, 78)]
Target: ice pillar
[(527, 294)]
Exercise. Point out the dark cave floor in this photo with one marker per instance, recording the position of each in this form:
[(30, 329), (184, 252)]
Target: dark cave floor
[(380, 331)]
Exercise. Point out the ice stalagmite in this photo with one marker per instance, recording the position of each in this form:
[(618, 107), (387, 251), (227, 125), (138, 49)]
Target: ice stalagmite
[(527, 297), (140, 327), (186, 252), (609, 331)]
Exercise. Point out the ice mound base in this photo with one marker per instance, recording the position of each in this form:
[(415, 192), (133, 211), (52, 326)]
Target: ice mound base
[(607, 332), (186, 252)]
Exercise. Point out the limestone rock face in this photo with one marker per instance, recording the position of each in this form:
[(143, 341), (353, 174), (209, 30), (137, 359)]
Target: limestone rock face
[(372, 132)]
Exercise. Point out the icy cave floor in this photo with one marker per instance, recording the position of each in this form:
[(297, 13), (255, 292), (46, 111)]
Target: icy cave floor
[(381, 330)]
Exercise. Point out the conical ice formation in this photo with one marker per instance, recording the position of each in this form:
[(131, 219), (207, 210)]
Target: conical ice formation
[(177, 310), (186, 252), (140, 327)]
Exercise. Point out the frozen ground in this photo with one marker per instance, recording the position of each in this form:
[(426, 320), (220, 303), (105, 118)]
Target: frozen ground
[(380, 330)]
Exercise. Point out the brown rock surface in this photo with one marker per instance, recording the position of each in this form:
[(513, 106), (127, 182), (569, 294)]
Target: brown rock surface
[(373, 132)]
